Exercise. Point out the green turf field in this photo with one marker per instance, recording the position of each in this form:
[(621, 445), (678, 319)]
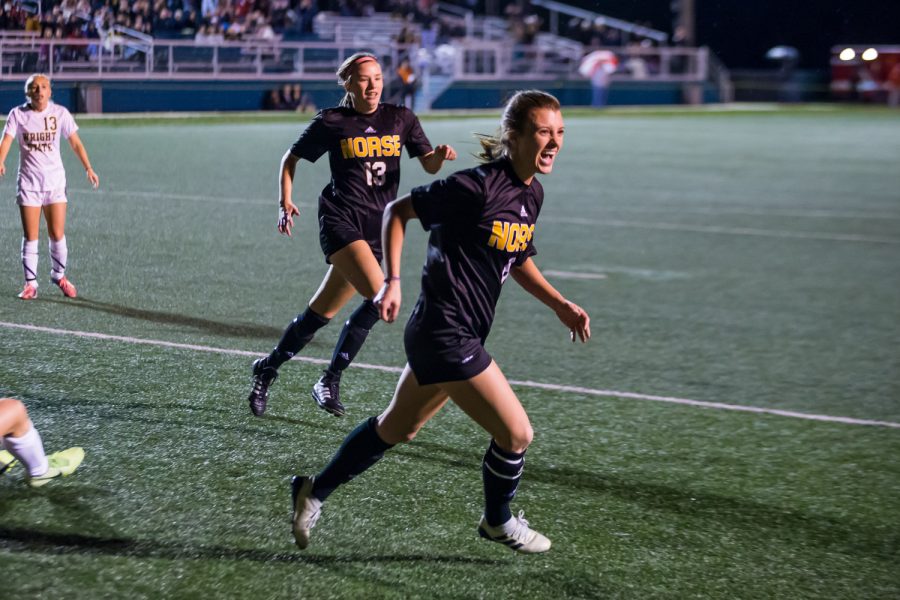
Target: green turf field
[(743, 261)]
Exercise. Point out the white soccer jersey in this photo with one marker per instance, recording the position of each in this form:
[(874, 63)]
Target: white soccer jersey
[(39, 133)]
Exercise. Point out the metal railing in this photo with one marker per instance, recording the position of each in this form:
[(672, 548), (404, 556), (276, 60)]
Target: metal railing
[(119, 58), (472, 59), (486, 60)]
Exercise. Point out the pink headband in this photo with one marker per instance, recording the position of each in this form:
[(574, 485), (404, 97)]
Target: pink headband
[(363, 59)]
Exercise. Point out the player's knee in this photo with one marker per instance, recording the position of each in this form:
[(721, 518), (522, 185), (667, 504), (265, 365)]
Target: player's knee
[(393, 433), (15, 409), (516, 439), (402, 436), (407, 436)]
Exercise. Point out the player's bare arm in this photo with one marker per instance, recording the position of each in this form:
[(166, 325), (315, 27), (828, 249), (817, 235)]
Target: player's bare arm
[(393, 230), (81, 153), (5, 145), (433, 161), (286, 208)]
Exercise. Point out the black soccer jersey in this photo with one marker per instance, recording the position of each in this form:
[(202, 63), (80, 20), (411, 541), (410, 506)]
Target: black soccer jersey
[(364, 153), (482, 223)]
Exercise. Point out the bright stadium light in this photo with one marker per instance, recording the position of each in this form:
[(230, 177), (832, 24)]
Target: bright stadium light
[(847, 54), (870, 54)]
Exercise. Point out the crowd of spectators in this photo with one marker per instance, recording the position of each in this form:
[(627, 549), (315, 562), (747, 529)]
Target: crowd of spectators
[(215, 21), (204, 20)]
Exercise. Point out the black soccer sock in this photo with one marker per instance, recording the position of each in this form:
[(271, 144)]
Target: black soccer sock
[(353, 335), (501, 471), (360, 450), (297, 335)]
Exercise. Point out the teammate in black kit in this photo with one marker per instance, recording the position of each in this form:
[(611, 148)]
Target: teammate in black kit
[(481, 224), (364, 140)]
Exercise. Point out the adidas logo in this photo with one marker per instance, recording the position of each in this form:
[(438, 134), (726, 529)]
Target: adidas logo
[(344, 355), (370, 130), (523, 213)]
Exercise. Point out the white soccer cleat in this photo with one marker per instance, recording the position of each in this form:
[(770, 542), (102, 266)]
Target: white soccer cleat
[(307, 509), (515, 534)]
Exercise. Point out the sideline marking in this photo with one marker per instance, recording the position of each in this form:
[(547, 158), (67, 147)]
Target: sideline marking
[(523, 383)]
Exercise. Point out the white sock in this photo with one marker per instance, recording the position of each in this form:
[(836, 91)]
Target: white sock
[(29, 449), (30, 260), (59, 254)]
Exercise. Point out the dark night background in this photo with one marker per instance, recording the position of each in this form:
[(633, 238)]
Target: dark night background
[(740, 31)]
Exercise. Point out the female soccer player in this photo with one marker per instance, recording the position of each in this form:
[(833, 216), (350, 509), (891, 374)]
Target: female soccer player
[(23, 444), (481, 222), (39, 124), (364, 140)]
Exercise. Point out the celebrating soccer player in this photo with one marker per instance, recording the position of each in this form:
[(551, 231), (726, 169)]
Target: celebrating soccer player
[(481, 224), (364, 140)]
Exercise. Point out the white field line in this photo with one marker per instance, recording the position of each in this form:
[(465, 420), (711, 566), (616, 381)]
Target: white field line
[(528, 384), (801, 235), (725, 210), (165, 344), (573, 275), (812, 213)]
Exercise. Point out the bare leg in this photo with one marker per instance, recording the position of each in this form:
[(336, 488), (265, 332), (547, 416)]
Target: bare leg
[(412, 406), (31, 221), (358, 265), (55, 214), (489, 400), (334, 292)]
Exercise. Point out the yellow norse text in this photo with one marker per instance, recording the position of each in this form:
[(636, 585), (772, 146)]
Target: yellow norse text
[(371, 146), (512, 237)]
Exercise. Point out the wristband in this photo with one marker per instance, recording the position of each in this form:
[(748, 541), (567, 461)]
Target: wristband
[(392, 278)]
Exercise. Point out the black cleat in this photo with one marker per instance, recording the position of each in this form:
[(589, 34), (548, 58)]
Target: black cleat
[(263, 377), (327, 394)]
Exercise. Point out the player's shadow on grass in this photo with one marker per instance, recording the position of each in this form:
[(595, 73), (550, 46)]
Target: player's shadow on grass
[(735, 512), (75, 503), (55, 543), (241, 330)]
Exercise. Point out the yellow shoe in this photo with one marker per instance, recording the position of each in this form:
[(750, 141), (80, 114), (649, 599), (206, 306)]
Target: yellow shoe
[(62, 463), (7, 461)]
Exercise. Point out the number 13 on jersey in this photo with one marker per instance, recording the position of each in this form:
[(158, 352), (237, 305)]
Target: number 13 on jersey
[(375, 173)]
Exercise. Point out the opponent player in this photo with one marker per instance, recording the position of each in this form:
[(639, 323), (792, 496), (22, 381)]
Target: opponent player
[(38, 125), (364, 140), (482, 222), (23, 444)]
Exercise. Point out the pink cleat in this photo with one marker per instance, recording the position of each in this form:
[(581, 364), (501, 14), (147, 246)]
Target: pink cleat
[(29, 292), (67, 288)]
